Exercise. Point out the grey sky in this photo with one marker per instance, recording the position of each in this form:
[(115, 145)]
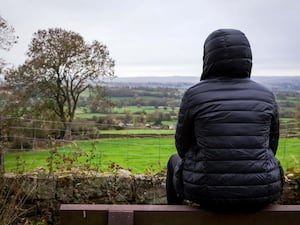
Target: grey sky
[(164, 37)]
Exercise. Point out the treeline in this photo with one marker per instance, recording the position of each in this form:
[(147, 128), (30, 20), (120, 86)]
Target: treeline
[(127, 91)]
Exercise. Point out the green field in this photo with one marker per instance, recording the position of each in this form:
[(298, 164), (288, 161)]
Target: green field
[(139, 131), (83, 112), (148, 109), (137, 154), (140, 155)]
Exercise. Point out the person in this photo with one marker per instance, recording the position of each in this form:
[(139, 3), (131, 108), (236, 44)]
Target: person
[(227, 133)]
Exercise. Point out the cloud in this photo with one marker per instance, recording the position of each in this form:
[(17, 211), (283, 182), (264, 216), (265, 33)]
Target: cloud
[(164, 37)]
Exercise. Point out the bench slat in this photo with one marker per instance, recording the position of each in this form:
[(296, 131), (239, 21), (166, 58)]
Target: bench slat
[(73, 214)]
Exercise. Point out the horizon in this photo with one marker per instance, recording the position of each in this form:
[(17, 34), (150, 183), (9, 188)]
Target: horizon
[(166, 76)]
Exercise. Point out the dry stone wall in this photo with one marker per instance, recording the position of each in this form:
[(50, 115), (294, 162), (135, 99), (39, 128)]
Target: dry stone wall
[(46, 193)]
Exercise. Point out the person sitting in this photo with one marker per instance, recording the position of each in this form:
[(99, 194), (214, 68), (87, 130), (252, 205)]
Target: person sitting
[(227, 133)]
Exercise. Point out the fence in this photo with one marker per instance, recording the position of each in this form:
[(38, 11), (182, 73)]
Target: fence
[(36, 145)]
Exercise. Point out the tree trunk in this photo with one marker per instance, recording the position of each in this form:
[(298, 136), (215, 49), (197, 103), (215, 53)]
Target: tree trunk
[(68, 131)]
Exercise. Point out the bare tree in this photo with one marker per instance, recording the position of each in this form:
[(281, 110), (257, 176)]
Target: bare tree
[(59, 68), (7, 35)]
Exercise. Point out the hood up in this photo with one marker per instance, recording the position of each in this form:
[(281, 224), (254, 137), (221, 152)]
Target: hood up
[(227, 54)]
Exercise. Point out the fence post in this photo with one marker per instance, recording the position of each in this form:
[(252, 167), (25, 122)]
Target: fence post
[(1, 149)]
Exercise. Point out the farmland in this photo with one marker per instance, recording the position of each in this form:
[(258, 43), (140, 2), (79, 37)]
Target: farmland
[(139, 117), (144, 100), (139, 155)]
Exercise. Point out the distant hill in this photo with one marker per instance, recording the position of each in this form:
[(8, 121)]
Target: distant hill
[(276, 83), (280, 83)]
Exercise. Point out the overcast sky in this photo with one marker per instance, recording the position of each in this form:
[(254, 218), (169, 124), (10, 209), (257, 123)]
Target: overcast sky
[(164, 37)]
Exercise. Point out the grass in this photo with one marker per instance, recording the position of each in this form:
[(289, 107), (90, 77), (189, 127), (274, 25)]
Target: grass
[(139, 131), (140, 155), (142, 109), (89, 115), (289, 153)]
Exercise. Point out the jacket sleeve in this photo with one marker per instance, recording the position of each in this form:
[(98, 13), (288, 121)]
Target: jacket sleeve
[(184, 136), (274, 131)]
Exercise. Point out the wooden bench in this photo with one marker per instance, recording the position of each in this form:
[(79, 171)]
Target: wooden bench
[(81, 214)]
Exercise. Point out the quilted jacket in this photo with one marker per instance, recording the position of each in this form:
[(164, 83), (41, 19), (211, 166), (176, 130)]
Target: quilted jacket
[(228, 130)]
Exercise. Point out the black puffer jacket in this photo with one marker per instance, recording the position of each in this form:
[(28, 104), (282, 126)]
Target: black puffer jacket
[(228, 130)]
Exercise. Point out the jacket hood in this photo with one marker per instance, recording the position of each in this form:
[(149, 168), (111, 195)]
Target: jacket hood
[(227, 53)]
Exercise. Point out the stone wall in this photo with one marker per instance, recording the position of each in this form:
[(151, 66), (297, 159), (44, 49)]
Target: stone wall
[(46, 193)]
